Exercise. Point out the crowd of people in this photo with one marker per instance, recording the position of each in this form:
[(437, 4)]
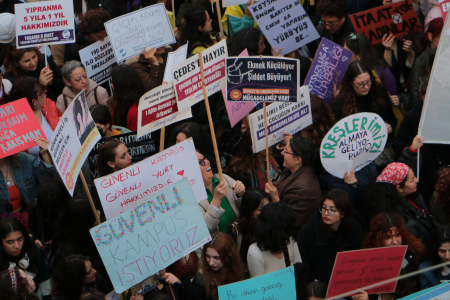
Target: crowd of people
[(301, 216)]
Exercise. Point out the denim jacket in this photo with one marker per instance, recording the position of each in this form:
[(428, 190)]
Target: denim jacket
[(31, 173)]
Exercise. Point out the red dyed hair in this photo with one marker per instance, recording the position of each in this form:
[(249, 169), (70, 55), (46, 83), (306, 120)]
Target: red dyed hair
[(435, 28)]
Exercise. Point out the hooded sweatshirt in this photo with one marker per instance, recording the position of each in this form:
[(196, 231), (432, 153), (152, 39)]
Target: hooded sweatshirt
[(94, 95)]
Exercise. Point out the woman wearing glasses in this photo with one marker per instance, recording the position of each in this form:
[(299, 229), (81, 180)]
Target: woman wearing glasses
[(335, 227), (221, 207), (361, 93)]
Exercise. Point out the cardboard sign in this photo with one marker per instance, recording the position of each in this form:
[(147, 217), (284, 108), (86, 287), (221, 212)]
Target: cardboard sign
[(158, 108), (445, 5), (187, 78), (396, 18), (289, 117), (353, 143), (151, 236), (276, 285), (174, 58), (18, 128), (131, 186), (284, 23), (327, 70), (139, 148), (360, 268), (237, 110), (441, 291), (21, 216), (147, 27), (98, 59), (262, 79), (72, 140), (39, 23)]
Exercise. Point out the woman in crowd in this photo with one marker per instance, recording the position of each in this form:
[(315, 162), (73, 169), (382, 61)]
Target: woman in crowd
[(221, 207), (112, 156), (275, 247), (251, 168), (387, 230), (315, 290), (103, 120), (361, 93), (334, 228), (440, 202), (298, 186), (80, 7), (242, 230), (17, 249), (127, 90), (74, 276), (247, 38), (437, 253), (196, 30), (150, 67), (74, 75), (15, 284), (395, 190), (30, 62), (44, 109)]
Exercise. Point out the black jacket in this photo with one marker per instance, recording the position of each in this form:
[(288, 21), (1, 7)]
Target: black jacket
[(72, 49), (338, 37), (319, 251)]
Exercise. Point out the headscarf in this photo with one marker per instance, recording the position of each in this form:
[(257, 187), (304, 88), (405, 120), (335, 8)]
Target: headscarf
[(394, 173)]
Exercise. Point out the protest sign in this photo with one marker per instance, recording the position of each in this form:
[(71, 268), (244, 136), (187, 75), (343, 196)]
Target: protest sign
[(353, 143), (129, 187), (289, 117), (262, 79), (21, 216), (19, 128), (187, 78), (360, 268), (397, 18), (226, 3), (45, 22), (328, 70), (284, 23), (147, 27), (445, 5), (237, 110), (151, 236), (72, 140), (158, 108), (276, 285), (139, 148), (441, 291), (98, 59), (174, 58)]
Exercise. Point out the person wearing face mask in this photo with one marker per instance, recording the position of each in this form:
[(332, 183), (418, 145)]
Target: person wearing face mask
[(360, 92), (387, 230), (76, 80), (30, 62), (15, 284), (17, 249), (74, 276), (103, 120), (437, 253)]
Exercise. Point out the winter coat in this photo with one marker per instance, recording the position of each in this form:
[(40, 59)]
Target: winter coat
[(151, 75), (94, 95)]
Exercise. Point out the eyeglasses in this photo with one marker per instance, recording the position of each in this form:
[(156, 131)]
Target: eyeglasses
[(362, 85), (202, 162), (284, 150), (328, 211), (329, 23)]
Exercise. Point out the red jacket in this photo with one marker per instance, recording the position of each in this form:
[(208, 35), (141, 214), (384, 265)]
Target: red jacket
[(51, 113)]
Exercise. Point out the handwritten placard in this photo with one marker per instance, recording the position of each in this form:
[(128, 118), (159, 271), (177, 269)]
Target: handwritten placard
[(147, 27), (39, 23), (397, 18), (360, 268), (276, 285), (98, 59), (174, 58), (285, 24), (353, 143), (281, 117), (149, 237), (21, 216), (327, 70)]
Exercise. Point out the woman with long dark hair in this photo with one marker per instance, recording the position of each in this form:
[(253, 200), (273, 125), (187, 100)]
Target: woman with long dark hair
[(248, 38), (196, 30), (127, 90), (440, 202), (15, 284), (362, 93), (335, 227), (112, 156)]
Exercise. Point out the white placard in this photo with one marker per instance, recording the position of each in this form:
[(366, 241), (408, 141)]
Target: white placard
[(289, 116), (187, 78), (98, 59), (284, 23), (147, 27), (174, 58), (46, 22)]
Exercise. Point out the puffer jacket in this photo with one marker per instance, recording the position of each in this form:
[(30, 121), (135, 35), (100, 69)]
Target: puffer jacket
[(94, 95)]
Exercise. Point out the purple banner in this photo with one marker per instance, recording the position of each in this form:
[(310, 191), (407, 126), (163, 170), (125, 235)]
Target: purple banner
[(328, 69), (48, 37)]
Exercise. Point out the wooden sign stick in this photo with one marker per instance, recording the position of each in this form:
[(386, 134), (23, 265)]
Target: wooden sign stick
[(208, 111), (173, 11), (219, 16), (267, 143), (88, 193), (161, 139)]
